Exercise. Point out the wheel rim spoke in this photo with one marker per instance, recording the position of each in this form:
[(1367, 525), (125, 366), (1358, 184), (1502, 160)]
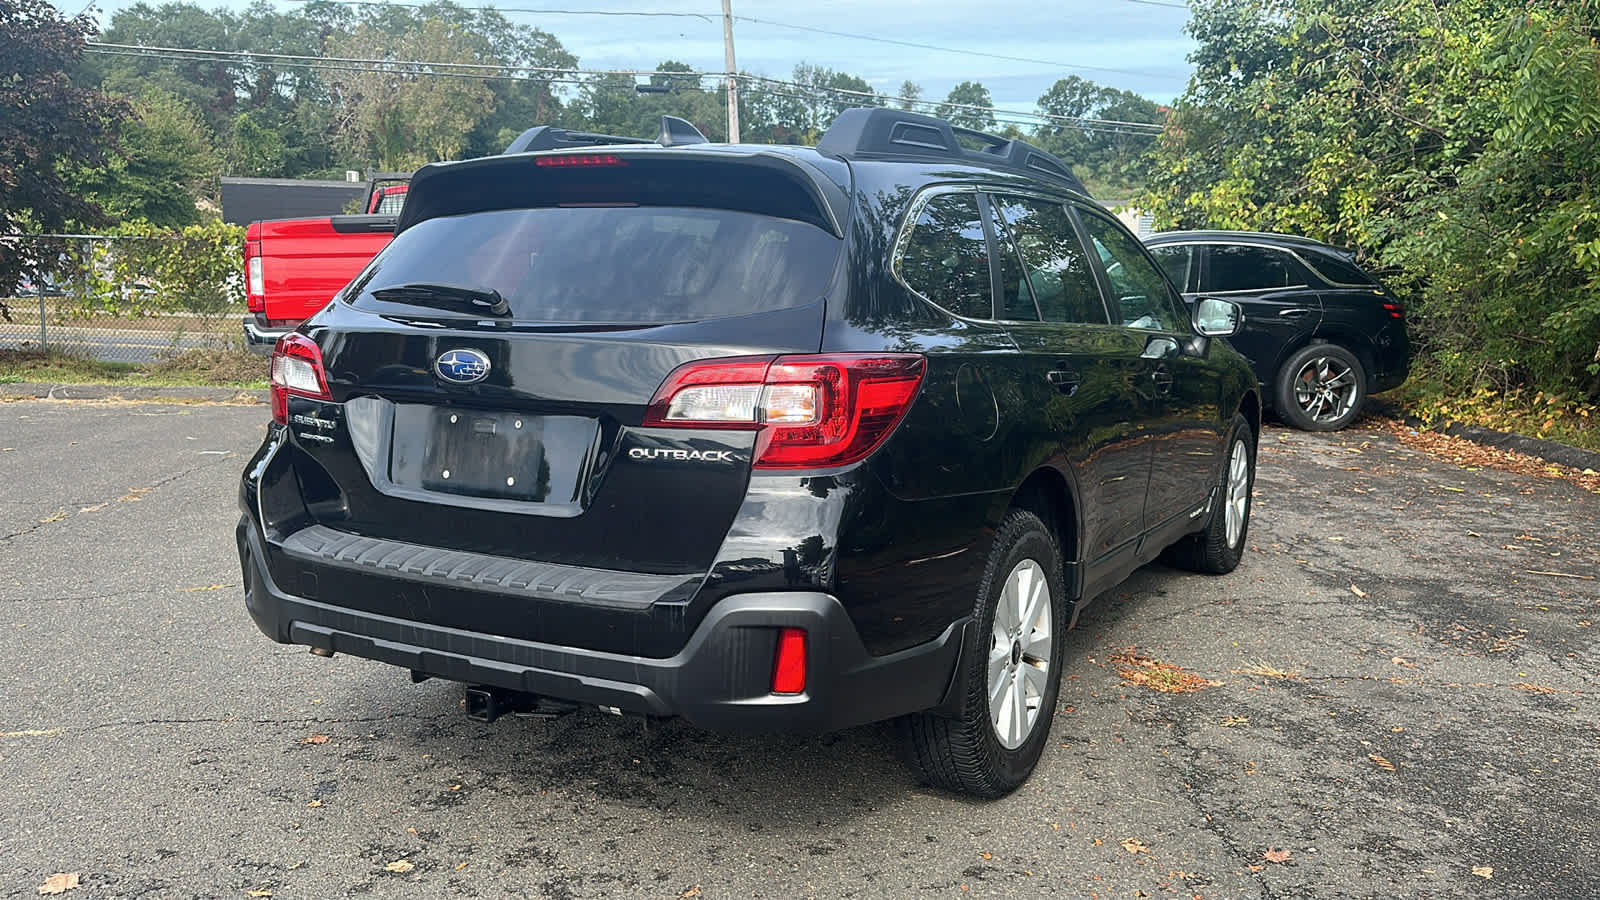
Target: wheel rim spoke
[(1238, 493), (1020, 650)]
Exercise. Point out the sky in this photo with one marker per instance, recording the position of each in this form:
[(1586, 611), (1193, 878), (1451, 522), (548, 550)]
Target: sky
[(1138, 45)]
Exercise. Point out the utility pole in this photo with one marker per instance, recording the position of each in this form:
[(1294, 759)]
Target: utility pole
[(733, 83)]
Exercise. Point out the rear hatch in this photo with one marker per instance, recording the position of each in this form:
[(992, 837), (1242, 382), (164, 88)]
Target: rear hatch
[(491, 370)]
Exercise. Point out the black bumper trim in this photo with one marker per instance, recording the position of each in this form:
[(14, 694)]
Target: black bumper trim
[(718, 680), (321, 545)]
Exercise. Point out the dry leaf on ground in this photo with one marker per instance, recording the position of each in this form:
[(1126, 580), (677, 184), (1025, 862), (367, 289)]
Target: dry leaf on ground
[(59, 883), (400, 865), (315, 739), (1380, 762), (1134, 845), (1156, 675), (1276, 856), (260, 893), (1483, 871), (1358, 592)]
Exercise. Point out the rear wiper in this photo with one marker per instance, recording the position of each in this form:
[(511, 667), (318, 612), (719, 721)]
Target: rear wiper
[(453, 297)]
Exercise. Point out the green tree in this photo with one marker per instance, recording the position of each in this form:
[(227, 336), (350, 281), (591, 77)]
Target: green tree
[(165, 166), (910, 92), (46, 124), (957, 106)]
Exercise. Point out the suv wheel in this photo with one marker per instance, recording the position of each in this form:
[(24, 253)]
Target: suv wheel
[(1321, 388), (1218, 549), (1010, 674)]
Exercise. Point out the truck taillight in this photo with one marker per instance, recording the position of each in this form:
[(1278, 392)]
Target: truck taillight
[(809, 412), (296, 369), (255, 284)]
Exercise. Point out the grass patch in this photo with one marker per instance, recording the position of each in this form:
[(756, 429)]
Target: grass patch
[(215, 368), (1553, 417)]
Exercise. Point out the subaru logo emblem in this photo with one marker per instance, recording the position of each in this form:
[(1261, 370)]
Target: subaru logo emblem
[(462, 366)]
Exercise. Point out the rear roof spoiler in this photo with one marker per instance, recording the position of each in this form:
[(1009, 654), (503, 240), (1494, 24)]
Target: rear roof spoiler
[(674, 132)]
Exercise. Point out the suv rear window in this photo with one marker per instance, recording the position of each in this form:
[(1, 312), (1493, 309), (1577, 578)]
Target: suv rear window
[(613, 264)]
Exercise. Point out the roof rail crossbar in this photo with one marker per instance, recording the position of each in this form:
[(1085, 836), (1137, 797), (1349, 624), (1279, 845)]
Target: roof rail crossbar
[(879, 131)]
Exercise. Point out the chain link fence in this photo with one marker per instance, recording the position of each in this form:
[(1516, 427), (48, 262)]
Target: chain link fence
[(123, 298)]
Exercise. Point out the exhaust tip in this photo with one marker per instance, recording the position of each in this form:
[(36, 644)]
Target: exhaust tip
[(323, 652)]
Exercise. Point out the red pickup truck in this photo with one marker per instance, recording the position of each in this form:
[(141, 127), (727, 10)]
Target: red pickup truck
[(293, 267)]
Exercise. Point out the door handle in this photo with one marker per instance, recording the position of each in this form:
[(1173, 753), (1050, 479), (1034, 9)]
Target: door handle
[(1293, 313), (1162, 376), (1064, 380)]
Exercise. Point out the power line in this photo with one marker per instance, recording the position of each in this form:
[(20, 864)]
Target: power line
[(546, 12), (567, 76), (808, 28), (934, 47)]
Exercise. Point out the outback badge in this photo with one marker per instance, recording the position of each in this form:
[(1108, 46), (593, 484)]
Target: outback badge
[(462, 366)]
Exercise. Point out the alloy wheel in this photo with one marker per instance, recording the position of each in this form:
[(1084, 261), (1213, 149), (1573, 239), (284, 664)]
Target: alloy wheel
[(1019, 654)]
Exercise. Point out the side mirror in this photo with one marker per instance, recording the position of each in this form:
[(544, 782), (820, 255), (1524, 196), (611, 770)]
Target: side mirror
[(1217, 318)]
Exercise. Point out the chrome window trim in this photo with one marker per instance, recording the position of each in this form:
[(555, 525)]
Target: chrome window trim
[(1214, 242)]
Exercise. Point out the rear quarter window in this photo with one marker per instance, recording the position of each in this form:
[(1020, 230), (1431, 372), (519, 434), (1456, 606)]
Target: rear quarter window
[(946, 257)]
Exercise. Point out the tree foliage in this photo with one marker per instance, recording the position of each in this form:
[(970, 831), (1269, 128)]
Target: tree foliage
[(1453, 142), (47, 123), (1111, 159), (956, 106)]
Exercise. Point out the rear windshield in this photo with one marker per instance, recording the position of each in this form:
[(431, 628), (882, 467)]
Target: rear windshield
[(1339, 270), (616, 264)]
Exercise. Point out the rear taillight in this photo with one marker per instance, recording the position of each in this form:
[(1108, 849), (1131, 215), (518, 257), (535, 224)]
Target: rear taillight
[(296, 369), (1395, 310), (255, 284), (810, 412), (789, 668)]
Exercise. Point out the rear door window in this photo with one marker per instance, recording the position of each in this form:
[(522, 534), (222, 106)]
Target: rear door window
[(614, 264), (1178, 262), (946, 257), (1056, 267), (1251, 269)]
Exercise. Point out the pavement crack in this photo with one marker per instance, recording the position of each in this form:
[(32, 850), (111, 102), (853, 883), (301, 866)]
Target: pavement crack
[(53, 519)]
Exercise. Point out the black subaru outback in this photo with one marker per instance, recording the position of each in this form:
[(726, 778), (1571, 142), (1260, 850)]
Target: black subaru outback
[(763, 437)]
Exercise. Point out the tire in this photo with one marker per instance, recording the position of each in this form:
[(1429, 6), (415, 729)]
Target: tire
[(993, 747), (1321, 388), (1218, 548)]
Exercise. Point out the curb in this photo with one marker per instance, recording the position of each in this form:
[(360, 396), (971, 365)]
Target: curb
[(132, 392), (1539, 448)]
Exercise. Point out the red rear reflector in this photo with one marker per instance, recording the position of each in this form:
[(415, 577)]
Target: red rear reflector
[(296, 369), (789, 672), (572, 161), (811, 412), (1395, 310)]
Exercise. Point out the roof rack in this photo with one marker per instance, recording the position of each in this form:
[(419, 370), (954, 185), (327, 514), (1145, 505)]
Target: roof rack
[(675, 132), (878, 131)]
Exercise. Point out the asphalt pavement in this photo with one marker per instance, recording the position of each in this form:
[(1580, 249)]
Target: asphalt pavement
[(1405, 704)]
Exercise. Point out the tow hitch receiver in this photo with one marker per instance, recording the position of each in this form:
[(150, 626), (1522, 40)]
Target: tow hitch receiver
[(487, 704)]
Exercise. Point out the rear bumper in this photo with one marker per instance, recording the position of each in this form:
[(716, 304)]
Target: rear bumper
[(260, 337), (719, 680)]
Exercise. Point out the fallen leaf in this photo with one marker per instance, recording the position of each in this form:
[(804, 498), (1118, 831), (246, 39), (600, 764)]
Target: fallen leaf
[(59, 883), (1235, 721), (314, 804), (400, 865), (1157, 675), (1134, 845), (1483, 871), (1358, 592), (260, 893), (1256, 868), (1381, 762), (315, 739), (988, 855), (1276, 856), (691, 892), (195, 590), (55, 517), (95, 508), (460, 866)]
